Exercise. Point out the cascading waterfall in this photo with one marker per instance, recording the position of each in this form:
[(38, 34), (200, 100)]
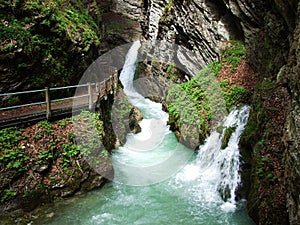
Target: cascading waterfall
[(229, 159), (202, 192), (127, 73), (216, 170)]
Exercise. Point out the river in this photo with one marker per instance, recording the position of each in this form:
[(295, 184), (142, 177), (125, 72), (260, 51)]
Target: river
[(158, 180)]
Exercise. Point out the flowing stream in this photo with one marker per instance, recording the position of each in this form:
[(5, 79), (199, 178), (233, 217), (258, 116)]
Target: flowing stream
[(158, 180)]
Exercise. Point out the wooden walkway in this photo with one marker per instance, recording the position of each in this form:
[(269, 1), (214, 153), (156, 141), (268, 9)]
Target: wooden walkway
[(85, 99)]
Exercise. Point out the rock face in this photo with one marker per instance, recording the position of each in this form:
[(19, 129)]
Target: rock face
[(131, 9), (270, 30), (200, 26), (292, 140)]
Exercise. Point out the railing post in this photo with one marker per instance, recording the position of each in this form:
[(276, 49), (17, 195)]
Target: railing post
[(48, 103), (105, 90), (90, 93), (98, 88), (111, 84), (115, 82)]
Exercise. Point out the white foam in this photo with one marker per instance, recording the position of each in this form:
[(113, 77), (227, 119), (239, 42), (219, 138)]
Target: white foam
[(228, 207)]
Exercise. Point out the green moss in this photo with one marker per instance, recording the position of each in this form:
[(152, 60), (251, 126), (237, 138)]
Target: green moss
[(234, 94), (233, 54), (187, 104), (227, 134), (49, 34), (215, 67), (168, 7)]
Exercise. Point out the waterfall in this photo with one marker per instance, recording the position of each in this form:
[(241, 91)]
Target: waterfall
[(229, 158), (127, 73), (154, 154), (215, 171)]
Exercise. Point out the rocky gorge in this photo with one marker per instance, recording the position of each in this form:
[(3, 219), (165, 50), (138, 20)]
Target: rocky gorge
[(270, 31)]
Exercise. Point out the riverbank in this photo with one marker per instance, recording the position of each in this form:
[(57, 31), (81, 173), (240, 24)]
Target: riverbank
[(42, 162)]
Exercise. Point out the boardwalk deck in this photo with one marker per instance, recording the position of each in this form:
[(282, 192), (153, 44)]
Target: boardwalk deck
[(29, 114)]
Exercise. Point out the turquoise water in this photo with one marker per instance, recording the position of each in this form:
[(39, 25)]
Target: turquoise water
[(164, 203), (157, 180), (191, 195)]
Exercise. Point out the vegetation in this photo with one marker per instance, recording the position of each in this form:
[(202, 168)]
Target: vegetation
[(187, 104), (226, 136), (44, 146), (262, 147), (46, 36), (168, 6), (234, 94), (215, 67), (121, 111), (12, 155), (195, 102), (233, 54)]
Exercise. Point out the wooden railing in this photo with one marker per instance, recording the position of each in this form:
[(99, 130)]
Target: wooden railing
[(52, 107)]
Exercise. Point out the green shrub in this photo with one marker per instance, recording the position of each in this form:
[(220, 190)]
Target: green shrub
[(47, 33), (233, 54), (234, 95), (215, 67), (187, 104), (12, 155)]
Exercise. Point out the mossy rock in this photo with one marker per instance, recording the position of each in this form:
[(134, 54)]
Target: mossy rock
[(227, 134)]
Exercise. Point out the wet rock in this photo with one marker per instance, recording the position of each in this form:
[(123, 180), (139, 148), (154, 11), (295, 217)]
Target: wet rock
[(34, 197), (96, 182), (120, 29), (69, 193), (41, 168), (50, 215), (135, 117), (199, 26), (131, 9)]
